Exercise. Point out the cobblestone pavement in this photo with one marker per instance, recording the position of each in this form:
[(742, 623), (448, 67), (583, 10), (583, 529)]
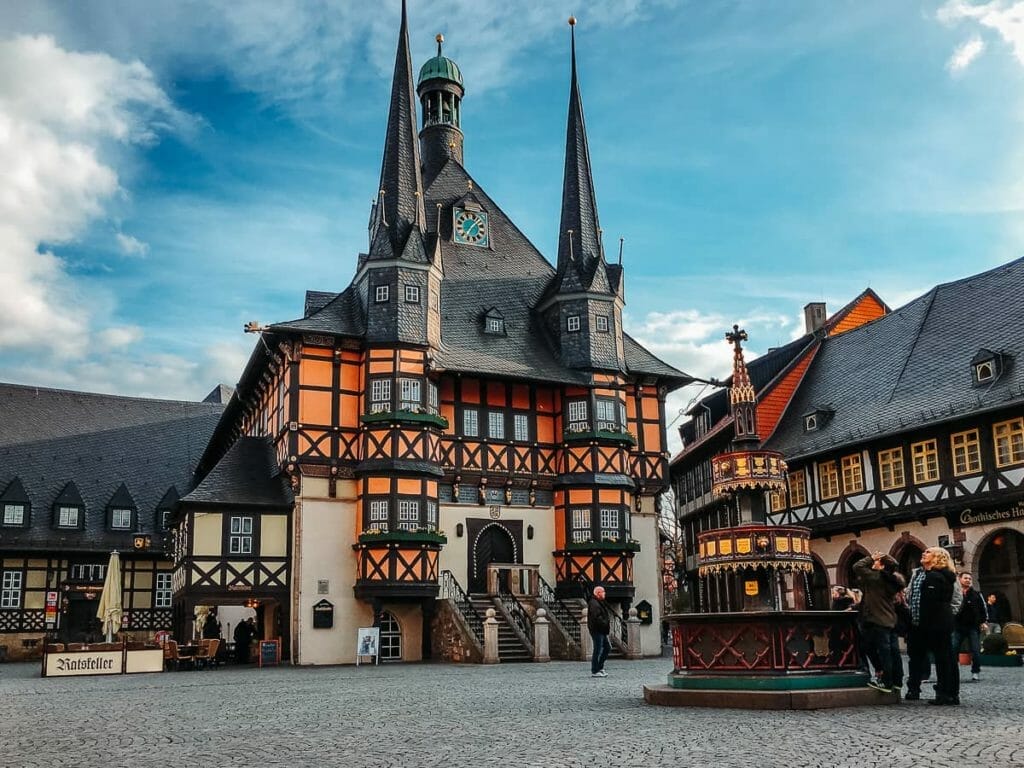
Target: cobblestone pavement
[(445, 715)]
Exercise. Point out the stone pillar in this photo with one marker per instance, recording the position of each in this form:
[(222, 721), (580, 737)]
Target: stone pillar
[(540, 636), (586, 641), (633, 650), (491, 638)]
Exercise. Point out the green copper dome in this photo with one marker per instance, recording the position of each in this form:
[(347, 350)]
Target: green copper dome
[(440, 67)]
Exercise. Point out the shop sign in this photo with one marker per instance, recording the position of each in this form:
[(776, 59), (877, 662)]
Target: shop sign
[(971, 516), (83, 663)]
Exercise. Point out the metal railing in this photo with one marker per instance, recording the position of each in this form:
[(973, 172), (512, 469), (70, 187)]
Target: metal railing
[(569, 621), (617, 628), (451, 590), (520, 619)]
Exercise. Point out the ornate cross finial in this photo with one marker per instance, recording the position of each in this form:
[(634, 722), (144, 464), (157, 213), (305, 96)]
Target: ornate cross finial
[(735, 337)]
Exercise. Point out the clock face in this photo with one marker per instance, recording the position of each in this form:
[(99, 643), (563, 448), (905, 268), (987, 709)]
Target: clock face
[(470, 227)]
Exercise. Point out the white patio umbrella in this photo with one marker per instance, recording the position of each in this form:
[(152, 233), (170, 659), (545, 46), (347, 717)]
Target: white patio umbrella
[(110, 607)]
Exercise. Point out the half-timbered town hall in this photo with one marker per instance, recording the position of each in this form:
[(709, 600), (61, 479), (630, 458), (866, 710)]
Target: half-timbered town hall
[(462, 407)]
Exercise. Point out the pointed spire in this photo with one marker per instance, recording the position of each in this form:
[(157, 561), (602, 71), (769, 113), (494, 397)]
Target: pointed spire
[(579, 205), (401, 185), (741, 393)]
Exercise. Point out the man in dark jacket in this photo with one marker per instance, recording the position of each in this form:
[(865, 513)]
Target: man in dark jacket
[(969, 623), (598, 624), (879, 582)]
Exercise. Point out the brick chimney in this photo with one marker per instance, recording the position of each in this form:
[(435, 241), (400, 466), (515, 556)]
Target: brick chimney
[(814, 316)]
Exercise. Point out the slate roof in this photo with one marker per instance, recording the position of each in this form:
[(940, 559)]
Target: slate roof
[(247, 474), (912, 366), (510, 276), (56, 441)]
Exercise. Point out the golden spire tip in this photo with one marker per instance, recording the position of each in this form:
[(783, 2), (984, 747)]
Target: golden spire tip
[(439, 38), (572, 21)]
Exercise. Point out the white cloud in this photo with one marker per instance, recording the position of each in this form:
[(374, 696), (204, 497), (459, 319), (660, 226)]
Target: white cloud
[(131, 246), (1004, 18), (120, 336), (964, 54), (65, 117)]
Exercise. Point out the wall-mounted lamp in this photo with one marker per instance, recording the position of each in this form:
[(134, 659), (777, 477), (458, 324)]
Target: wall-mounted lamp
[(459, 529)]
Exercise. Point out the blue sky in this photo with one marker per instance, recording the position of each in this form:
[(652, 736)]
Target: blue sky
[(177, 169)]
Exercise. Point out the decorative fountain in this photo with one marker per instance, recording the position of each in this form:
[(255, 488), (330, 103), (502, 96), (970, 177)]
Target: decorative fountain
[(754, 642)]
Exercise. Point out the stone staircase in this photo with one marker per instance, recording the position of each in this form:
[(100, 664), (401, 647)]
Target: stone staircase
[(510, 647)]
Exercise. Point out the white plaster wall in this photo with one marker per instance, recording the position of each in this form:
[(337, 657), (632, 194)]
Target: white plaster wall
[(647, 574), (324, 532), (455, 555)]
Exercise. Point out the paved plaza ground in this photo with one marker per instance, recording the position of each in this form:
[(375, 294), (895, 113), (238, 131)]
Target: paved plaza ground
[(445, 715)]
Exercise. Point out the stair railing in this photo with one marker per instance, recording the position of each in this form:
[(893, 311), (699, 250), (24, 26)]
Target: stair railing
[(616, 626), (452, 591), (560, 610), (521, 622)]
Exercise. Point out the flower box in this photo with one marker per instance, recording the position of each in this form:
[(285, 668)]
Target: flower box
[(407, 416), (600, 434), (603, 546), (416, 537)]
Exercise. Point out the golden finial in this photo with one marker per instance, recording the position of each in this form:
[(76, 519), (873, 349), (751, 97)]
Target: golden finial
[(439, 39), (572, 21)]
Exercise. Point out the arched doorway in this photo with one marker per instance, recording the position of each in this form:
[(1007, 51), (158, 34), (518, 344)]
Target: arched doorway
[(390, 638), (818, 598), (844, 569), (908, 558), (494, 544), (1000, 569)]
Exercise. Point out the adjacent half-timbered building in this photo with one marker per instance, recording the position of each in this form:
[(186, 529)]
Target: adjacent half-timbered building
[(463, 402), (81, 475), (908, 432), (900, 432)]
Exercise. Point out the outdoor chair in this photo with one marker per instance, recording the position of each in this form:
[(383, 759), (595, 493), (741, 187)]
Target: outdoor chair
[(206, 656), (171, 658), (1014, 635)]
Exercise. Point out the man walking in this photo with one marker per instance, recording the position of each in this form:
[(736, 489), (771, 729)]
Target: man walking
[(880, 583), (598, 624), (994, 614), (969, 623)]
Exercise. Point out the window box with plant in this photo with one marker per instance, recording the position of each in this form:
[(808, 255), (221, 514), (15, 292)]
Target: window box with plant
[(421, 415), (604, 545), (419, 536), (622, 436)]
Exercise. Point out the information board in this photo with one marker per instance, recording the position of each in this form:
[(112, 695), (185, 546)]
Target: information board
[(270, 653), (368, 644)]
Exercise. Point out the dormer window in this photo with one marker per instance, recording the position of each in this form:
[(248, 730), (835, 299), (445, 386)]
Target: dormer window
[(494, 322), (573, 323), (602, 323), (68, 517), (381, 294), (817, 419), (121, 519), (987, 366), (412, 294), (14, 514)]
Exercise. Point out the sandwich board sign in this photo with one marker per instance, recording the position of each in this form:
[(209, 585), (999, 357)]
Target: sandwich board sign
[(368, 644)]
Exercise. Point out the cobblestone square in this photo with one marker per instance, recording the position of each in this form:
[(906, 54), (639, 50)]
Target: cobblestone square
[(446, 715)]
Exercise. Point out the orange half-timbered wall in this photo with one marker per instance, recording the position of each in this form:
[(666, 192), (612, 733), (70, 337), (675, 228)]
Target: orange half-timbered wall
[(271, 407)]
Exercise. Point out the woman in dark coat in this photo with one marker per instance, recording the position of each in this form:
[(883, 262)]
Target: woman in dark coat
[(937, 622)]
